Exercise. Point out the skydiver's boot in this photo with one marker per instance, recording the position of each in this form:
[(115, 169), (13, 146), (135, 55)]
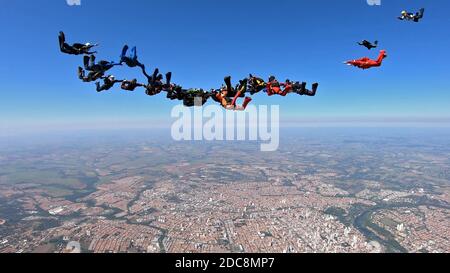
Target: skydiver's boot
[(246, 102), (243, 87), (80, 73), (62, 36), (228, 84), (124, 53), (314, 89), (62, 40), (155, 75), (86, 62), (134, 54), (92, 61), (421, 13), (99, 88), (168, 79)]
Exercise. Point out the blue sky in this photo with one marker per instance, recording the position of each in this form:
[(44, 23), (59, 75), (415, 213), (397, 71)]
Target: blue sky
[(201, 41)]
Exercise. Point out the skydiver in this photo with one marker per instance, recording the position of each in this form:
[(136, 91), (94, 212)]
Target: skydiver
[(416, 17), (301, 89), (176, 92), (366, 63), (368, 44), (131, 59), (155, 84), (101, 66), (275, 88), (74, 49), (231, 92), (108, 83), (193, 96), (153, 78), (92, 76), (130, 85), (230, 104), (256, 84)]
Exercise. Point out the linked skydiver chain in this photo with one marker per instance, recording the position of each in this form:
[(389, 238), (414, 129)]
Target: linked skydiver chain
[(226, 96)]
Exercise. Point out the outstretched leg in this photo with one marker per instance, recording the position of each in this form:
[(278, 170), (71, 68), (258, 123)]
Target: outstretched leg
[(227, 81), (241, 108), (81, 73), (311, 92), (91, 61), (246, 102), (99, 87), (155, 75), (124, 53), (168, 78), (302, 89), (133, 54), (62, 40), (421, 13), (314, 89), (238, 94), (86, 62)]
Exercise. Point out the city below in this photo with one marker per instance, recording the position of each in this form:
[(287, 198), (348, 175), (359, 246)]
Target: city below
[(326, 192)]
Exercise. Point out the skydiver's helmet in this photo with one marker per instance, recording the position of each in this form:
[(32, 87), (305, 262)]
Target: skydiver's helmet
[(271, 78), (404, 13), (111, 78), (88, 44)]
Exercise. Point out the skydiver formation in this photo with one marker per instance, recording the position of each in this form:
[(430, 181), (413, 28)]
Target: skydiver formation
[(227, 96), (367, 63)]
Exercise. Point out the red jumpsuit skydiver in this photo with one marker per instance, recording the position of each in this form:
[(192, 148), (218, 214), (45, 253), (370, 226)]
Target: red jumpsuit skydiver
[(366, 63), (275, 88)]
